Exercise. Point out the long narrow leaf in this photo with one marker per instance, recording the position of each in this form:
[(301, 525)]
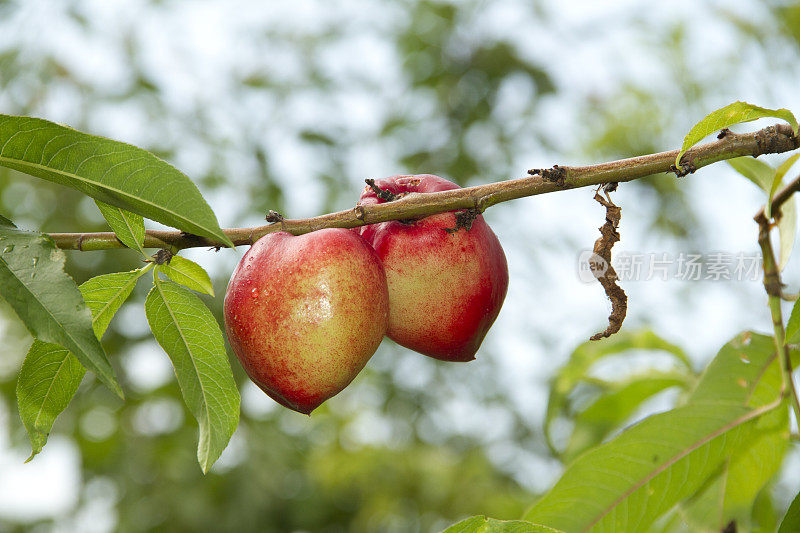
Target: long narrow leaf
[(50, 374), (33, 281), (188, 273), (791, 521), (587, 354), (787, 230), (730, 495), (769, 179), (47, 382), (780, 172), (746, 371), (190, 335), (793, 325), (729, 115), (756, 171), (629, 482), (112, 172), (615, 406), (128, 226)]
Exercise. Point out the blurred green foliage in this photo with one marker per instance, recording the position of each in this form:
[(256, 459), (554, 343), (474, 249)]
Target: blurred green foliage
[(284, 472)]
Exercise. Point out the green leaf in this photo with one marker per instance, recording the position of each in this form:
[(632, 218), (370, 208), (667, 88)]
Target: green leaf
[(764, 518), (791, 521), (47, 381), (615, 406), (787, 229), (628, 483), (730, 496), (793, 325), (756, 171), (187, 273), (187, 331), (787, 221), (50, 375), (128, 226), (587, 354), (33, 282), (105, 294), (780, 172), (481, 524), (769, 179), (112, 172), (742, 372), (749, 362), (729, 115)]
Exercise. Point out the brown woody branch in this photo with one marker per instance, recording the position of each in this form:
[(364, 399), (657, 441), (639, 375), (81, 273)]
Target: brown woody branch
[(773, 139), (774, 289), (778, 200)]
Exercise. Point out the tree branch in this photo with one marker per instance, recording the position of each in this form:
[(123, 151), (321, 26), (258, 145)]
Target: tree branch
[(778, 200), (773, 139), (774, 288)]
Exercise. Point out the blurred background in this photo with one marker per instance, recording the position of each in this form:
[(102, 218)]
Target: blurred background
[(289, 106)]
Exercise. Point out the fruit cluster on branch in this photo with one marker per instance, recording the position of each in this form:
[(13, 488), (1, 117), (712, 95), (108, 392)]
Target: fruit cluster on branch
[(305, 313)]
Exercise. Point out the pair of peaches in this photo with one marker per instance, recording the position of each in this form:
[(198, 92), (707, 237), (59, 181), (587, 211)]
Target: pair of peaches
[(305, 313)]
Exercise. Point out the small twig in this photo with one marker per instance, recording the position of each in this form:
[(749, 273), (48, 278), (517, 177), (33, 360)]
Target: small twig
[(608, 277), (383, 194), (774, 289), (780, 198)]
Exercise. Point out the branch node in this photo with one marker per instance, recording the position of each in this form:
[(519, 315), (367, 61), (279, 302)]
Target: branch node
[(684, 170), (383, 194), (555, 174), (273, 216), (359, 212), (193, 240), (464, 220), (723, 133), (163, 256), (610, 187), (479, 204), (776, 139)]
